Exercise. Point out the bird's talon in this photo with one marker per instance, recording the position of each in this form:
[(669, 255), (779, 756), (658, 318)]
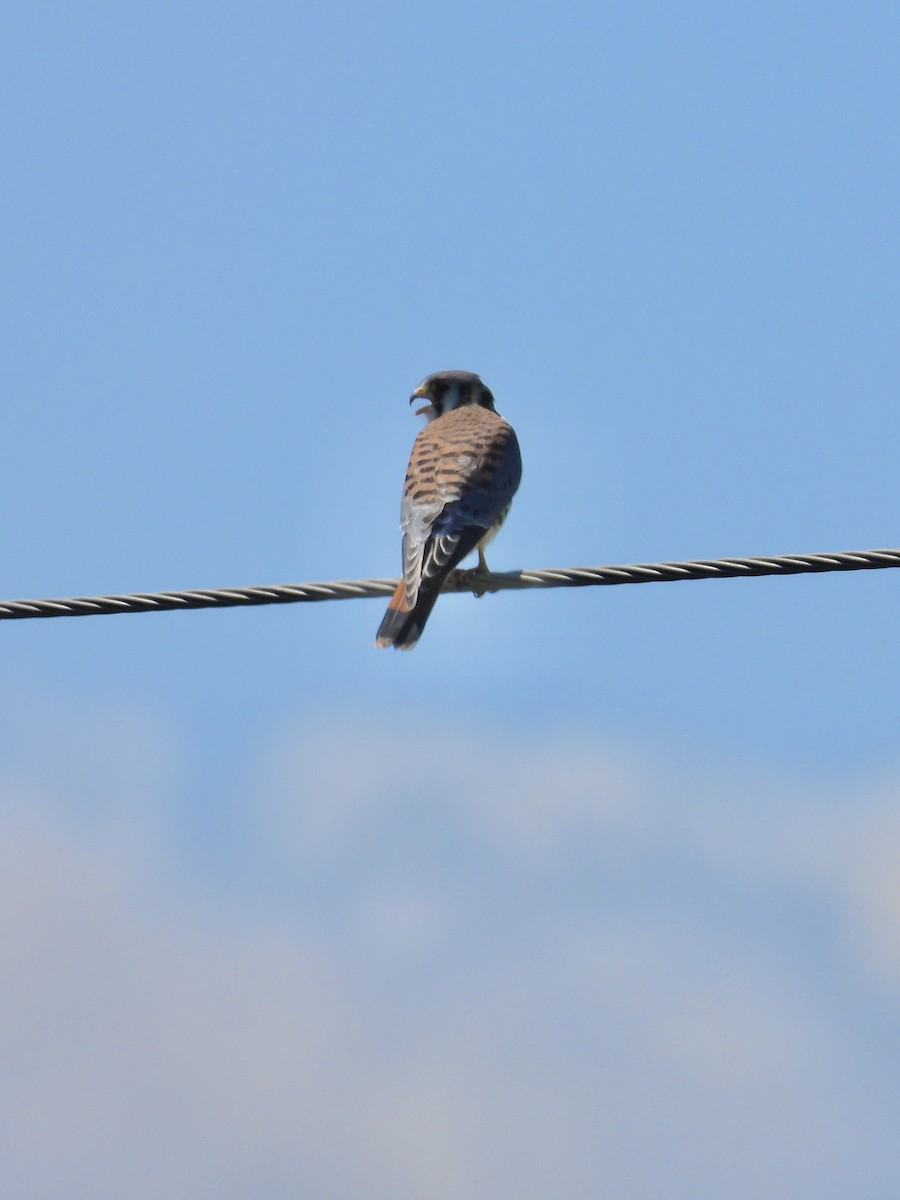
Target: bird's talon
[(476, 581)]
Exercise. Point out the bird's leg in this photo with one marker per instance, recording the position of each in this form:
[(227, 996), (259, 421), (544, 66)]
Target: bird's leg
[(476, 579), (479, 588)]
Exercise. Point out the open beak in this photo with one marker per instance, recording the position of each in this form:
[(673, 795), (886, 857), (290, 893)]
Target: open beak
[(419, 394)]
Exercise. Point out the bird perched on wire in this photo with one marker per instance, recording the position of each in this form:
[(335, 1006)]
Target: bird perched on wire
[(463, 472)]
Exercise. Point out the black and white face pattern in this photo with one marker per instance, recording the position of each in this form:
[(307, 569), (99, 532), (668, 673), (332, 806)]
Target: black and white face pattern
[(447, 390)]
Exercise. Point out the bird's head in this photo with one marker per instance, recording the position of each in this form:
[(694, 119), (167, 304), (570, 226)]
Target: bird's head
[(445, 390)]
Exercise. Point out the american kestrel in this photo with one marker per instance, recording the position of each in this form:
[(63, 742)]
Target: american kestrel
[(463, 472)]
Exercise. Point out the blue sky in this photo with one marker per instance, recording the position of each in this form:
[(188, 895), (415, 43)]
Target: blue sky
[(589, 873)]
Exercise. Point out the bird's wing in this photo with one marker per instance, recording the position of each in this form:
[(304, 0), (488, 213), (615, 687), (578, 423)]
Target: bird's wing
[(463, 472)]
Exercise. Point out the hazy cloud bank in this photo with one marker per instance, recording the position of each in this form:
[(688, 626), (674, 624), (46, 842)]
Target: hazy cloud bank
[(451, 965)]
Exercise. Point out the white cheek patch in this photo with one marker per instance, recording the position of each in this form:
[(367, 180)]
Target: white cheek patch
[(451, 399)]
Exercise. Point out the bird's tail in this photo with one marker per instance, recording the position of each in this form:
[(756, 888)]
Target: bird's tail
[(402, 626)]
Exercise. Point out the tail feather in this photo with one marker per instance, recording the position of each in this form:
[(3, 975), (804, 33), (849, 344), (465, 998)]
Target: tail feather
[(402, 626)]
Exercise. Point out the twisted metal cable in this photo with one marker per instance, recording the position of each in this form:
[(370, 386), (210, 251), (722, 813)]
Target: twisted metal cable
[(459, 581)]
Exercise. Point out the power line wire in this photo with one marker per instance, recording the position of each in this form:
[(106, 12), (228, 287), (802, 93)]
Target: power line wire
[(459, 581)]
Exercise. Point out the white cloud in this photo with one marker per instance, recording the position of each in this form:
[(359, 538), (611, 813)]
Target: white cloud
[(534, 804), (454, 966), (870, 883), (524, 800)]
